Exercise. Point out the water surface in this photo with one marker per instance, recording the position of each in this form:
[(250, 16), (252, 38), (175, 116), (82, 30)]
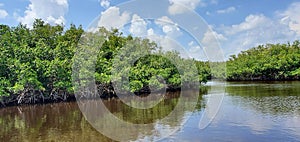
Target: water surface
[(256, 111)]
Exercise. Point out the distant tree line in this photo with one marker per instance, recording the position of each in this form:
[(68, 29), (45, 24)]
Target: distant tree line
[(266, 62)]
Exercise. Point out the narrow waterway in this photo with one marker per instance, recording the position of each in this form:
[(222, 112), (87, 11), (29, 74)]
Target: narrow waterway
[(256, 111)]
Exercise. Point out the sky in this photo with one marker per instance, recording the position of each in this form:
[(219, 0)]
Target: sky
[(236, 25)]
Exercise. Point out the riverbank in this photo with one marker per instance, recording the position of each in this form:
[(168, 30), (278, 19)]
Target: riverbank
[(30, 98), (13, 100), (107, 93)]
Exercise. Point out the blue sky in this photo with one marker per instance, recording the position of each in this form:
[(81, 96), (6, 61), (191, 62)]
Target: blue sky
[(238, 25)]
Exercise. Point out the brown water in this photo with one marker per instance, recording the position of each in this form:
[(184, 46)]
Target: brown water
[(261, 111)]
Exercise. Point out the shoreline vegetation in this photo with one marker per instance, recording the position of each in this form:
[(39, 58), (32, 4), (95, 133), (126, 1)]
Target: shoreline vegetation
[(36, 64)]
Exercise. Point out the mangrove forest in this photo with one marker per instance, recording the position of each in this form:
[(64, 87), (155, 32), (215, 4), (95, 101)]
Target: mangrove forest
[(36, 64)]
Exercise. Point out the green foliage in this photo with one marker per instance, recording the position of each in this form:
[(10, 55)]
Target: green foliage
[(132, 64), (204, 69), (269, 62), (39, 60), (4, 84)]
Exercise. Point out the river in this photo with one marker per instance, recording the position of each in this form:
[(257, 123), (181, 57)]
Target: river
[(250, 111)]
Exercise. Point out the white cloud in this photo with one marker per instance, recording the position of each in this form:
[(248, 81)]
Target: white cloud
[(211, 37), (291, 17), (105, 3), (3, 13), (167, 43), (227, 10), (258, 29), (51, 11), (61, 2), (211, 45), (150, 32), (138, 26), (170, 28), (196, 52), (113, 18), (251, 22), (182, 6), (253, 31)]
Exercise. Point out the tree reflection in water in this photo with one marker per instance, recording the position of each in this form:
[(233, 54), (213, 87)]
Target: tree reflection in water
[(65, 122)]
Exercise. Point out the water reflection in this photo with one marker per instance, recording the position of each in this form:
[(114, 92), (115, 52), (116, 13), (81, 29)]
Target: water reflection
[(65, 122), (260, 111), (125, 123), (53, 122), (274, 98)]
